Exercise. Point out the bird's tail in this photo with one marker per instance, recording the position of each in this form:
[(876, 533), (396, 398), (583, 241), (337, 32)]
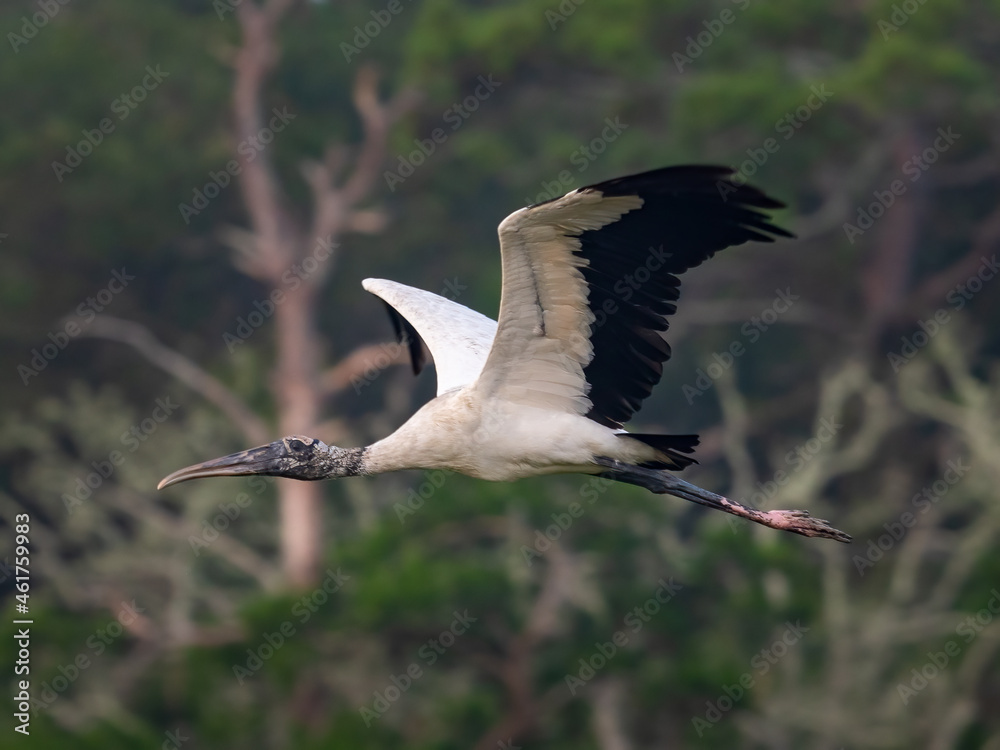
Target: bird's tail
[(665, 483), (672, 447)]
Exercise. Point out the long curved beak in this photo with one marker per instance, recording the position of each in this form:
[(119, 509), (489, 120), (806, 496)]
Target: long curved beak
[(264, 459)]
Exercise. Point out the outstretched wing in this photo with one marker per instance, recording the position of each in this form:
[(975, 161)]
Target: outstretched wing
[(590, 280), (459, 339)]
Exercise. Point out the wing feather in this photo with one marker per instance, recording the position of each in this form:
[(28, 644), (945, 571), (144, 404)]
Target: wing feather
[(590, 279), (459, 339)]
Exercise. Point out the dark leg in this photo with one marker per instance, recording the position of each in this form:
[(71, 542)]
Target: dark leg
[(664, 483)]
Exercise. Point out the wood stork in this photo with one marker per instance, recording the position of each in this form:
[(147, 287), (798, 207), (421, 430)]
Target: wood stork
[(589, 282)]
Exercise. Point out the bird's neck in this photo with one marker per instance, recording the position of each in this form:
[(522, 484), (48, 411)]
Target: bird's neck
[(347, 462), (409, 447)]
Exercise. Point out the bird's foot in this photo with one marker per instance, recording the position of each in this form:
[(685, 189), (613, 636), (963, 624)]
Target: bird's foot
[(801, 522), (663, 482)]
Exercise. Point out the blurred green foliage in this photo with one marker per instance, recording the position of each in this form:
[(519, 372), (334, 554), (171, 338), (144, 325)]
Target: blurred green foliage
[(170, 679)]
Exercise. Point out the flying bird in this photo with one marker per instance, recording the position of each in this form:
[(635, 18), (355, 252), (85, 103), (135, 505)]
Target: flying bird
[(590, 281)]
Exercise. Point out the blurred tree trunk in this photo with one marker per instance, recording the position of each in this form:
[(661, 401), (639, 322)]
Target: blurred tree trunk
[(298, 401), (277, 251), (886, 278)]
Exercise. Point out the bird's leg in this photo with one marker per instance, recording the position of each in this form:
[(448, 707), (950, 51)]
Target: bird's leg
[(662, 482)]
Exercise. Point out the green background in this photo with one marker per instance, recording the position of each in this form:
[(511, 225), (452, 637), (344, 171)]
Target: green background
[(843, 404)]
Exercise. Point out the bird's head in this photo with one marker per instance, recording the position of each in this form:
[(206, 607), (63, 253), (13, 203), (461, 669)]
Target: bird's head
[(295, 457)]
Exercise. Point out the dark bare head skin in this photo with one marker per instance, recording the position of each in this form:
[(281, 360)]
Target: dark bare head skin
[(295, 457)]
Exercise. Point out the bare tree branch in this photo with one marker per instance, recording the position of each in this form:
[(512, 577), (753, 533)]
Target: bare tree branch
[(276, 9), (335, 208), (377, 118), (606, 702), (840, 187), (261, 191), (885, 277), (354, 368), (278, 242), (173, 362), (515, 670), (932, 292)]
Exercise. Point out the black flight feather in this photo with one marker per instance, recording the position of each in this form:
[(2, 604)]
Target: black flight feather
[(688, 214), (406, 334)]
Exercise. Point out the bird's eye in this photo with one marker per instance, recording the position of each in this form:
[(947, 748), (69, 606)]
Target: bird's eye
[(296, 445)]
